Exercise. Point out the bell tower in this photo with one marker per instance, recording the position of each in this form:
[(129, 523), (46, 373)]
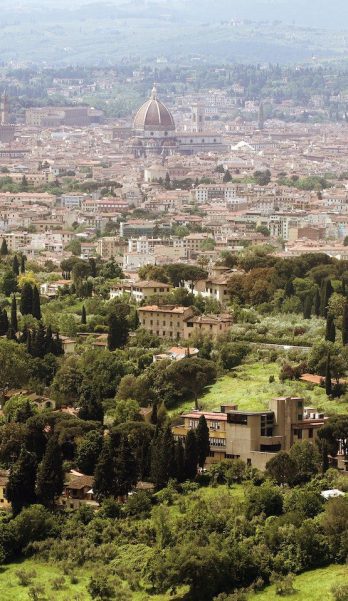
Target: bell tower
[(198, 118), (4, 109)]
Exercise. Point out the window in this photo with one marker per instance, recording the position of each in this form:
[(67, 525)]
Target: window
[(237, 418), (217, 442), (270, 448), (310, 433)]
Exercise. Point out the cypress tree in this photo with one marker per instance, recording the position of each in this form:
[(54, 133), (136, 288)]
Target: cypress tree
[(202, 437), (23, 264), (20, 489), (50, 476), (116, 469), (83, 315), (26, 301), (179, 461), (3, 323), (328, 381), (343, 283), (14, 320), (15, 265), (29, 342), (345, 324), (58, 346), (191, 456), (330, 333), (3, 248), (317, 302), (154, 416), (162, 458), (38, 345), (307, 307), (11, 334), (289, 288), (326, 292), (91, 408), (36, 306), (118, 332)]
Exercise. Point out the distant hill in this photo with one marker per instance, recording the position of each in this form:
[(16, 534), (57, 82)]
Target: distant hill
[(98, 32)]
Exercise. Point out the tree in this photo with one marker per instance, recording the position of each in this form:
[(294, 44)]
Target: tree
[(328, 379), (325, 294), (345, 324), (227, 177), (20, 489), (88, 451), (50, 477), (26, 301), (14, 320), (289, 288), (192, 376), (36, 307), (191, 455), (282, 468), (162, 457), (15, 265), (9, 283), (23, 259), (307, 307), (91, 408), (306, 458), (316, 303), (330, 333), (3, 322), (118, 331), (3, 248), (202, 437), (179, 456), (11, 334), (83, 315), (116, 470), (14, 363)]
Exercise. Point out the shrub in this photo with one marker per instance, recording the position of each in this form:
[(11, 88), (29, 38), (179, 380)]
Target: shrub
[(340, 592), (284, 586), (58, 583), (25, 577)]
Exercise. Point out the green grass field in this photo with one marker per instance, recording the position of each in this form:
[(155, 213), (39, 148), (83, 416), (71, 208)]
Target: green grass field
[(310, 586), (248, 386)]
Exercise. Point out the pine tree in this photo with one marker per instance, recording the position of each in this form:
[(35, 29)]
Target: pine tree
[(15, 265), (307, 307), (345, 324), (3, 322), (83, 315), (179, 461), (191, 456), (23, 264), (26, 302), (202, 437), (20, 489), (328, 381), (3, 248), (330, 333), (36, 306), (316, 304), (91, 408), (14, 320), (50, 476)]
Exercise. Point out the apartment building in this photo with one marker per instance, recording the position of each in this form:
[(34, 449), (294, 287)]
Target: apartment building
[(167, 321), (254, 436), (108, 247)]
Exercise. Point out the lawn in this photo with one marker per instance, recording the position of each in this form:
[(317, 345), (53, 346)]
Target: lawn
[(309, 586), (248, 386)]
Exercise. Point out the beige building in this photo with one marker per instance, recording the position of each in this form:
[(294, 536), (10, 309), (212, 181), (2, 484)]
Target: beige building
[(141, 290), (214, 325), (108, 247), (167, 321), (254, 436)]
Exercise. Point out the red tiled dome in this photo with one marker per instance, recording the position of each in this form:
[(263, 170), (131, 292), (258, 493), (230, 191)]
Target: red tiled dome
[(154, 116)]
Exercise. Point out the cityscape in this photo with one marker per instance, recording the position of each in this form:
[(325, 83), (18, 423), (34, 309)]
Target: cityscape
[(173, 301)]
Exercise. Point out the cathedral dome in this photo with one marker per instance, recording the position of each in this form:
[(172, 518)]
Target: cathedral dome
[(154, 116)]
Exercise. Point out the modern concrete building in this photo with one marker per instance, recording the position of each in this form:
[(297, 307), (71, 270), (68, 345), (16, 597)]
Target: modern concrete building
[(254, 436)]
